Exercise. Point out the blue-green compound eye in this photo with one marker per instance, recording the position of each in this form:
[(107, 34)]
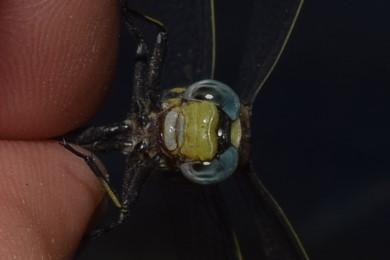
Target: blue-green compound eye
[(212, 172), (217, 92)]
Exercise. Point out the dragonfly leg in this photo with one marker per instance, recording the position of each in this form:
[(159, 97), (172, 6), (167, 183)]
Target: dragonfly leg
[(137, 171), (101, 138), (103, 178), (155, 65), (147, 78), (139, 103), (159, 50)]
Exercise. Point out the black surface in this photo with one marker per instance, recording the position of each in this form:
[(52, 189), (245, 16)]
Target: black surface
[(320, 137)]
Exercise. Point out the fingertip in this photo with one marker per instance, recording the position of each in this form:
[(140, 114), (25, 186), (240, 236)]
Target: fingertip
[(47, 197), (56, 64)]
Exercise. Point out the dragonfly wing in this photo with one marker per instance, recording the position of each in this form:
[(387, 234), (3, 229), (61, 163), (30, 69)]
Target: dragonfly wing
[(237, 219), (199, 227), (249, 46), (260, 226)]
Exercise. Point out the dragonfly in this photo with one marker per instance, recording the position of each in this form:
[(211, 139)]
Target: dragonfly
[(190, 133)]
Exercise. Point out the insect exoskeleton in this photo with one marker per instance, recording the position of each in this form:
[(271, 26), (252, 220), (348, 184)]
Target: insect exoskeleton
[(201, 130)]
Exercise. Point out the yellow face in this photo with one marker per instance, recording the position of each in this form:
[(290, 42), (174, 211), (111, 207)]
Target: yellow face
[(201, 120), (191, 129)]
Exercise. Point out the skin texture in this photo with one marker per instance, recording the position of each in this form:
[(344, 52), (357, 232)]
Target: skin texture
[(56, 64)]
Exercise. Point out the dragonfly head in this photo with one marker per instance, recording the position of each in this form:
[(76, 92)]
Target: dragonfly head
[(202, 130)]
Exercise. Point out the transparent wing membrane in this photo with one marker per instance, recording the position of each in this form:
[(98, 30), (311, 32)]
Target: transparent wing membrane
[(237, 219), (260, 226), (250, 40)]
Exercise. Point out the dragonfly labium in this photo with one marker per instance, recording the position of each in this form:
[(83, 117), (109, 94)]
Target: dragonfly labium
[(199, 129)]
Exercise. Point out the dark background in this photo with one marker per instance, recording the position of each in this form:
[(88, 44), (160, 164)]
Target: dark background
[(320, 132)]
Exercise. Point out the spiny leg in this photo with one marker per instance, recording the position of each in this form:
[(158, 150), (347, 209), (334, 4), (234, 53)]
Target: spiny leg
[(101, 138), (92, 163), (139, 103), (160, 45), (137, 171), (154, 65)]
